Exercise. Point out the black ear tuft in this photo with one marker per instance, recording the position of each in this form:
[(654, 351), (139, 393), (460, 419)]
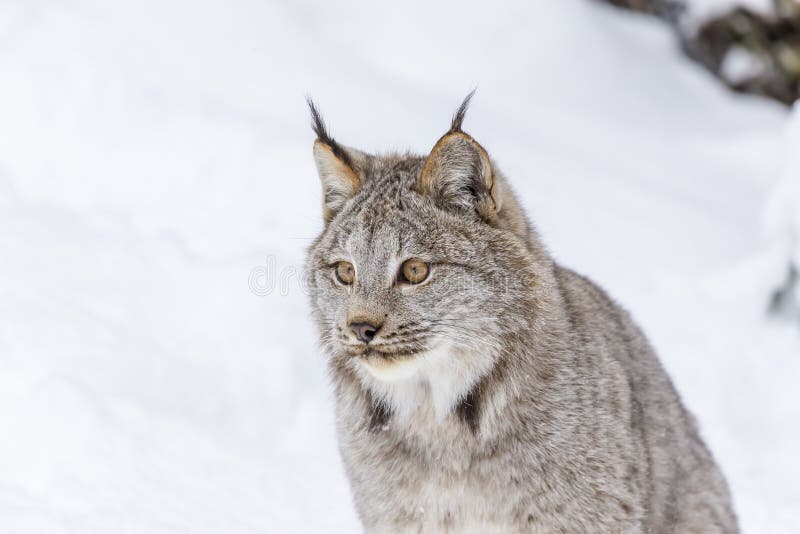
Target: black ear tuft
[(318, 125), (458, 118)]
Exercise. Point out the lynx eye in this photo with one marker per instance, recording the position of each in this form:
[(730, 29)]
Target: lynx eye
[(413, 271), (345, 272)]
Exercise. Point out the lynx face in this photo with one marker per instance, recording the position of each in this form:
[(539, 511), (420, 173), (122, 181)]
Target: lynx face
[(419, 275)]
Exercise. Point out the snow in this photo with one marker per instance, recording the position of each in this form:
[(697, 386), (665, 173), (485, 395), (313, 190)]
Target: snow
[(782, 212), (740, 65), (155, 168)]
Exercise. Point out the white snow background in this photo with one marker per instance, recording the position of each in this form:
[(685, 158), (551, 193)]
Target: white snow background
[(155, 166)]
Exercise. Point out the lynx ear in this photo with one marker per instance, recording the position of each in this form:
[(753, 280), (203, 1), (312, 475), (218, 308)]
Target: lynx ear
[(458, 173), (338, 167), (338, 172)]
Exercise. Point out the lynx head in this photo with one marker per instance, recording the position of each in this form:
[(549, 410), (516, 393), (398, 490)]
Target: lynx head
[(423, 270)]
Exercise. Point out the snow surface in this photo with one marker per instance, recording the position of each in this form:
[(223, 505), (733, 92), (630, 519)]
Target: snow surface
[(156, 173), (782, 214)]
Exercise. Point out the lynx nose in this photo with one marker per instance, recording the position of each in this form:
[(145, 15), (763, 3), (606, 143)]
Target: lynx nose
[(365, 332)]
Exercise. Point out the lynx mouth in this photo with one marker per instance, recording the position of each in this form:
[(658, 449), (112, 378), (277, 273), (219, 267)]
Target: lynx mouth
[(388, 355), (366, 352)]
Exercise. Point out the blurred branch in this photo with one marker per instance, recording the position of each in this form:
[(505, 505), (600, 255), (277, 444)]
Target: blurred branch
[(784, 300), (666, 9), (750, 52)]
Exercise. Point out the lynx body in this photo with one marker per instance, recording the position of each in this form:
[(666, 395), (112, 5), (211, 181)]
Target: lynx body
[(480, 386)]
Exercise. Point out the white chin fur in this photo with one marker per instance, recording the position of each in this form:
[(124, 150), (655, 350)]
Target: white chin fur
[(394, 371), (437, 378)]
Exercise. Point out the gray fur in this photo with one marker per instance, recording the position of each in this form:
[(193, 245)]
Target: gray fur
[(505, 393)]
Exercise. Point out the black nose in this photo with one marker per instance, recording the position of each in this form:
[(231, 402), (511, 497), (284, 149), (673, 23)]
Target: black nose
[(365, 332)]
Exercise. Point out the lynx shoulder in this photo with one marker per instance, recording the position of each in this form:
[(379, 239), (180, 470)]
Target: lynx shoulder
[(480, 386)]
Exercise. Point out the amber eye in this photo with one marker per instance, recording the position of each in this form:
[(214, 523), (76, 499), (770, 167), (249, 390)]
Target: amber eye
[(414, 271), (345, 273)]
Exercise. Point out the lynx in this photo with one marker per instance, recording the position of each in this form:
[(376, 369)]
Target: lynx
[(480, 386)]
